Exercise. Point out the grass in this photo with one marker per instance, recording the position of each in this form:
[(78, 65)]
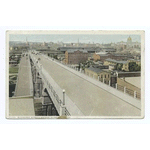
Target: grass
[(12, 77), (13, 69)]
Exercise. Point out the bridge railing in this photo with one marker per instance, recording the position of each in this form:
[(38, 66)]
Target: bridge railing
[(56, 93)]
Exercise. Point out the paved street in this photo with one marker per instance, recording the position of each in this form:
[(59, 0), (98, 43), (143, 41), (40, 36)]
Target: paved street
[(90, 99), (24, 78)]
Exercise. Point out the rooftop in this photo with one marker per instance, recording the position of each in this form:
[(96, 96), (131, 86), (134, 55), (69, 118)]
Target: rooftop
[(74, 50), (136, 81), (109, 49), (116, 61), (119, 55), (102, 53), (133, 60), (97, 70)]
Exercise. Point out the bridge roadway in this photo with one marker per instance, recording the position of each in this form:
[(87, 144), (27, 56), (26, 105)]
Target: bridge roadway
[(22, 102), (90, 99), (24, 83)]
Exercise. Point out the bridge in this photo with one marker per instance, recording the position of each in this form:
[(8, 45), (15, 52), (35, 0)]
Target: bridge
[(67, 91), (22, 102)]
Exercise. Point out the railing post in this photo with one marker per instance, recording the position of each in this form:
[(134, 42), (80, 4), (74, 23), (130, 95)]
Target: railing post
[(135, 94), (109, 82), (40, 67), (63, 107), (63, 97), (103, 80), (116, 86), (124, 89), (98, 77), (80, 70)]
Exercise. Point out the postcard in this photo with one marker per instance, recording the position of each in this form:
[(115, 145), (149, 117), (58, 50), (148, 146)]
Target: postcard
[(75, 74)]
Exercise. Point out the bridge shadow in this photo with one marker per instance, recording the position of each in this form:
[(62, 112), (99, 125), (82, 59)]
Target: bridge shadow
[(45, 109)]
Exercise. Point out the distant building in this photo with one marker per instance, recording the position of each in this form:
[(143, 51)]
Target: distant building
[(44, 44), (112, 67), (69, 48), (129, 44), (98, 62), (102, 74), (72, 48), (113, 62), (109, 50), (138, 62), (102, 56), (125, 64), (76, 56)]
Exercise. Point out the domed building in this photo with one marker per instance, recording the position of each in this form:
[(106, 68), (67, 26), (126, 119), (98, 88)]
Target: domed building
[(129, 42), (129, 39)]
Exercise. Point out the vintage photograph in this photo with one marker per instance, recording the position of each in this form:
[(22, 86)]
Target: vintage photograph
[(75, 74)]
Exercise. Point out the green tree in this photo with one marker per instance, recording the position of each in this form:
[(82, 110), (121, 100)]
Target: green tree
[(55, 57), (119, 66), (134, 67)]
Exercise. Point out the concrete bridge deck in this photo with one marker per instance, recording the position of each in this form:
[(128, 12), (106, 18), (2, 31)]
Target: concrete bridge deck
[(22, 102), (89, 98), (21, 106), (24, 85)]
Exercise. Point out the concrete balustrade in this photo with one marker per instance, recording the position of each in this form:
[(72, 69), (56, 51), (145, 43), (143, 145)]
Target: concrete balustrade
[(135, 94), (103, 80), (124, 89), (116, 86), (98, 78)]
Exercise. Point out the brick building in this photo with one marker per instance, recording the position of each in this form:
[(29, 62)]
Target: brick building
[(76, 56)]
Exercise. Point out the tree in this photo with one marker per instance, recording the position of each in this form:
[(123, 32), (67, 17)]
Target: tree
[(55, 57), (134, 67), (86, 64), (119, 66)]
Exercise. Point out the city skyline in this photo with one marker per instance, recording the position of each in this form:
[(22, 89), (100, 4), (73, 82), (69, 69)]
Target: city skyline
[(74, 38)]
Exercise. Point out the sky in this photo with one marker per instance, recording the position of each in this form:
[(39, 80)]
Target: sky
[(68, 38)]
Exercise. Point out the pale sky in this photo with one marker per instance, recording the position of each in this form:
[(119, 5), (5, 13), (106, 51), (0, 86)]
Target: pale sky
[(73, 38)]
